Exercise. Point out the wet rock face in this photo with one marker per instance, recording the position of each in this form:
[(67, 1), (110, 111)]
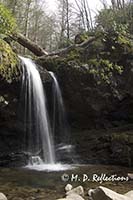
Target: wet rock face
[(11, 127), (93, 105), (12, 120), (104, 147)]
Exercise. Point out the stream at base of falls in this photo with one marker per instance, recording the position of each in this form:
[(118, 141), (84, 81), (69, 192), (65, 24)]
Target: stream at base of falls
[(26, 184)]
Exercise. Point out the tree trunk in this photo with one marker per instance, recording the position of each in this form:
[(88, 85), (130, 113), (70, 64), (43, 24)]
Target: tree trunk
[(25, 42), (38, 51)]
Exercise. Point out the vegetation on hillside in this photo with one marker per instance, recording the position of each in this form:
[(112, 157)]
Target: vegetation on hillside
[(8, 62), (7, 21), (8, 59), (106, 55)]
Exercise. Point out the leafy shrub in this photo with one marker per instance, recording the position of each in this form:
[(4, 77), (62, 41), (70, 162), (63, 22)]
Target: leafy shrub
[(103, 70)]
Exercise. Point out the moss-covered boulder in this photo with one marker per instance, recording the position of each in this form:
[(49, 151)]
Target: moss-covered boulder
[(10, 87), (7, 21), (8, 62)]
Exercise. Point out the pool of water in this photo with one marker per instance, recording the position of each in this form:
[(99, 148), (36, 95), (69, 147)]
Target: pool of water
[(48, 182)]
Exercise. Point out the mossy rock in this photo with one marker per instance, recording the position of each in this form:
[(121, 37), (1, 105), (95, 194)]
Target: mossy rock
[(8, 62), (81, 37), (121, 137), (52, 63)]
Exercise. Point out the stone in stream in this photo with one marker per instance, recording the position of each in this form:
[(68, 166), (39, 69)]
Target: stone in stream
[(103, 193), (130, 176), (2, 196), (72, 197), (78, 190), (73, 194), (68, 187), (129, 194), (62, 199)]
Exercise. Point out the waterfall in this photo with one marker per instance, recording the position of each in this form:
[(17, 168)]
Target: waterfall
[(38, 138), (60, 127)]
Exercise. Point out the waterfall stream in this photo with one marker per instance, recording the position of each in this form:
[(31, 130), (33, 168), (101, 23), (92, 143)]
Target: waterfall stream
[(59, 118), (39, 136)]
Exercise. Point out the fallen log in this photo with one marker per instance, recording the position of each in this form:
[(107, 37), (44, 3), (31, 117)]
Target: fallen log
[(27, 43), (40, 52)]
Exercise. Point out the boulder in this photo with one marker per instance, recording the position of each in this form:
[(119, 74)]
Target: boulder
[(103, 193), (130, 176), (62, 199), (129, 194), (78, 190), (68, 187), (74, 196), (2, 196)]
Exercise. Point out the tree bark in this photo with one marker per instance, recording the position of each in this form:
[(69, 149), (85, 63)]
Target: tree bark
[(32, 46)]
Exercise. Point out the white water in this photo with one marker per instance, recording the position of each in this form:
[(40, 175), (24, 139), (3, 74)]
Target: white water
[(60, 122), (39, 137), (39, 145), (50, 167)]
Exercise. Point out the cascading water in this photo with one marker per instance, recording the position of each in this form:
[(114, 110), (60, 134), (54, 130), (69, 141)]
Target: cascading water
[(60, 126), (38, 136), (38, 142), (59, 119)]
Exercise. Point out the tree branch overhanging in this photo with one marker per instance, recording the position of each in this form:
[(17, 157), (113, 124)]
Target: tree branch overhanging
[(40, 52), (27, 43), (66, 50)]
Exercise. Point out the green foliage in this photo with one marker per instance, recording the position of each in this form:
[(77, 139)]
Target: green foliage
[(7, 22), (114, 43), (117, 42), (107, 17), (8, 62), (81, 37), (103, 70), (74, 54)]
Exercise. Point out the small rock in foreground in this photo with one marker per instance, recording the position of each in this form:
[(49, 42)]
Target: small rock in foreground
[(74, 197), (2, 196), (129, 194), (68, 187), (78, 190), (73, 194), (103, 193), (130, 176)]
